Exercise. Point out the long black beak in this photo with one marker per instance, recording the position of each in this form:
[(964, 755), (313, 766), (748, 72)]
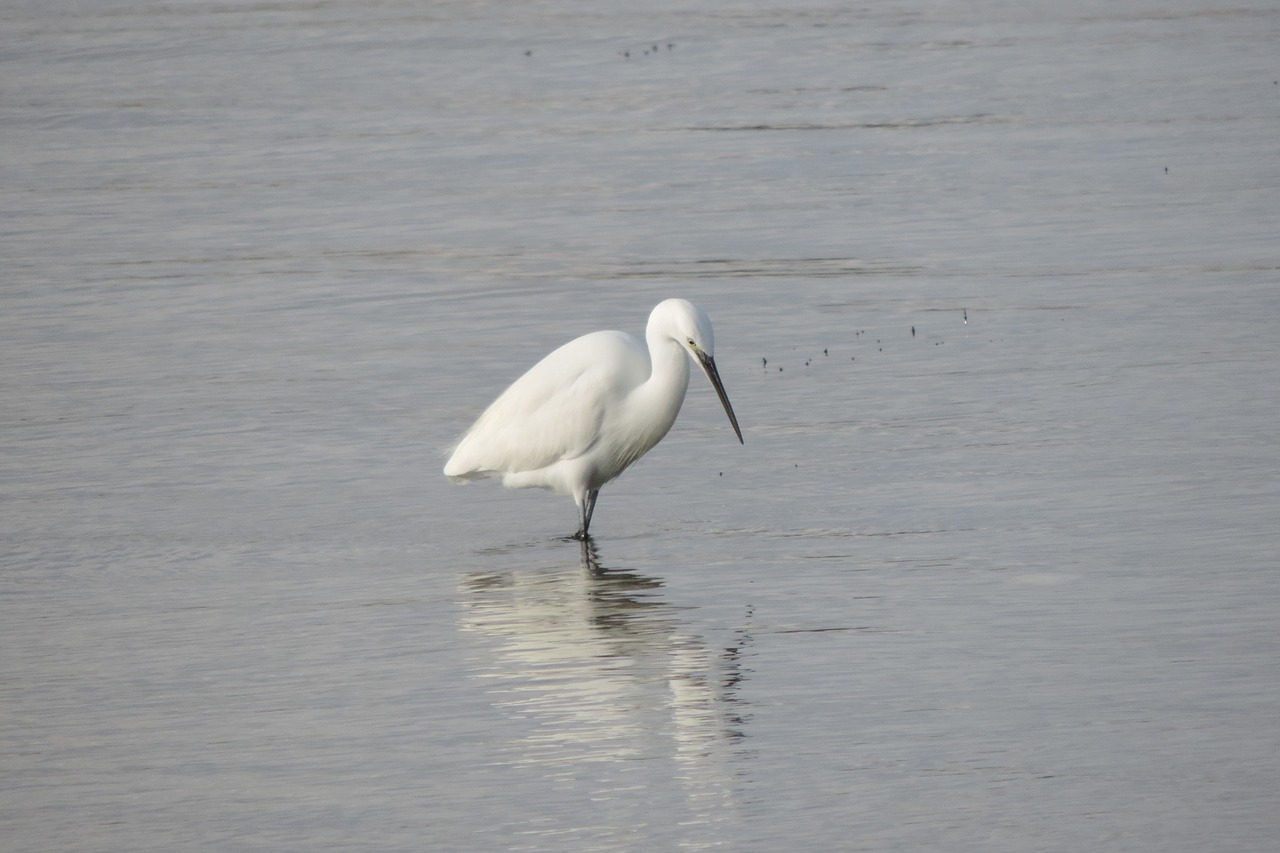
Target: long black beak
[(708, 365)]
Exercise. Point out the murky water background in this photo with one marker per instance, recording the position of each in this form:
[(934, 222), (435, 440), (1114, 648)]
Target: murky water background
[(1008, 583)]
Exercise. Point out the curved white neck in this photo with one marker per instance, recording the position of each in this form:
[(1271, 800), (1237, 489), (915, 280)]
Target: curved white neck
[(660, 397)]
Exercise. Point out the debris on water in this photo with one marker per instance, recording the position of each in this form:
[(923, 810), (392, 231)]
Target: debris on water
[(913, 331)]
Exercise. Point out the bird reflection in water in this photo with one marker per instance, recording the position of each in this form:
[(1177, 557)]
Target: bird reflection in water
[(607, 672)]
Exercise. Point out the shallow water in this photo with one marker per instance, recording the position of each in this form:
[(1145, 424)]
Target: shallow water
[(995, 292)]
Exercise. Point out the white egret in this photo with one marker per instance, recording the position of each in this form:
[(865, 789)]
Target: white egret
[(580, 416)]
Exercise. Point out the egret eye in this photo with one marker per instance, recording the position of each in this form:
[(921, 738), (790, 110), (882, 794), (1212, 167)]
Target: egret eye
[(692, 345)]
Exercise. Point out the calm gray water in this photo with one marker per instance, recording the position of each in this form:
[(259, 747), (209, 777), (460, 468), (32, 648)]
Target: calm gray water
[(997, 569)]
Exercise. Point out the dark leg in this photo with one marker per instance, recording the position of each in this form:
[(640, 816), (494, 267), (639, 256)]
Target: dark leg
[(587, 507)]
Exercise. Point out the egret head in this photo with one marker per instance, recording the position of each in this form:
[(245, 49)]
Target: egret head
[(685, 323), (690, 326)]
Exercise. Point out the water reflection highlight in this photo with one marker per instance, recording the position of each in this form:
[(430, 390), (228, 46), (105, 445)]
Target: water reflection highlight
[(606, 672)]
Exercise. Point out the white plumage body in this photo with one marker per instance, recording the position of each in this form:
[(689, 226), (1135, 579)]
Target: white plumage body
[(580, 416)]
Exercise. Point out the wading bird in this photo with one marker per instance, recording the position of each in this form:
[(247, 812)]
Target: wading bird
[(580, 416)]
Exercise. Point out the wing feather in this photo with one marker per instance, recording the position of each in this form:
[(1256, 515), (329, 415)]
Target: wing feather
[(554, 411)]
